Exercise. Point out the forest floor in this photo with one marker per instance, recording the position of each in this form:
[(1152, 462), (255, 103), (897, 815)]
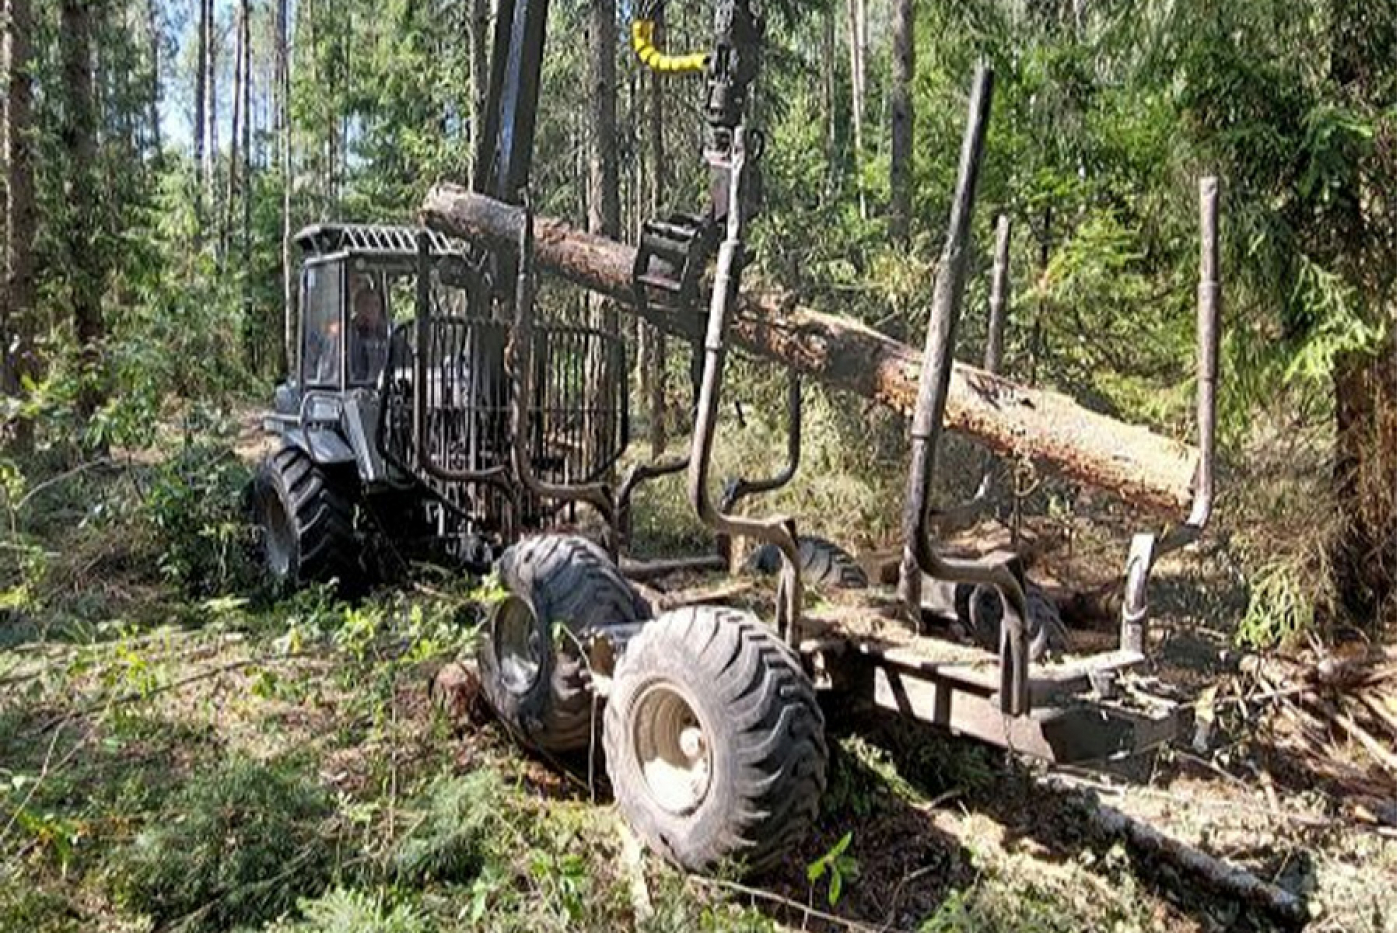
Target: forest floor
[(170, 762)]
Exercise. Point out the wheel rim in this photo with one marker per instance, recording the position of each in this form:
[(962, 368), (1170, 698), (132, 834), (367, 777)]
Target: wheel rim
[(279, 537), (518, 645), (672, 747)]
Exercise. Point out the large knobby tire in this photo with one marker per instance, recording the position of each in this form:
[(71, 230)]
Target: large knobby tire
[(534, 677), (305, 522), (715, 743), (823, 564), (980, 609)]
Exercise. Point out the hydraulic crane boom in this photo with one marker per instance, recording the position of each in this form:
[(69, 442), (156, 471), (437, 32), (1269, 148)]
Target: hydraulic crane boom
[(507, 142), (506, 148)]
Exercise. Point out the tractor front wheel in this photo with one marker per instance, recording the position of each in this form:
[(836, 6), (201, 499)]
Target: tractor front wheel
[(305, 523), (715, 743)]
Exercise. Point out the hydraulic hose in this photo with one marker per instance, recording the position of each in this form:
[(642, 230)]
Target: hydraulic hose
[(644, 44)]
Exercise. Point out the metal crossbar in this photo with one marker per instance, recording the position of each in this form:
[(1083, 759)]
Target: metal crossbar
[(372, 240)]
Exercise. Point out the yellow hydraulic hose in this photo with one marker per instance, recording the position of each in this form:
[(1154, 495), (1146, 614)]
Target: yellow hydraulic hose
[(644, 44)]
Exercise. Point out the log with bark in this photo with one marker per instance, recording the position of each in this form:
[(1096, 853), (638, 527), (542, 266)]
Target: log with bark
[(1239, 883), (1131, 462)]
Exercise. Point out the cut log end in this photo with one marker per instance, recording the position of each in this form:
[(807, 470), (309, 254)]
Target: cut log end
[(455, 691)]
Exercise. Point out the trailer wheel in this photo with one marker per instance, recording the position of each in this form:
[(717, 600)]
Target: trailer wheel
[(1047, 632), (305, 523), (823, 564), (535, 677), (715, 743)]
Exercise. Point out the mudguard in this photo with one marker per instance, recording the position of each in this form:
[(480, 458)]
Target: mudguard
[(322, 443), (359, 419)]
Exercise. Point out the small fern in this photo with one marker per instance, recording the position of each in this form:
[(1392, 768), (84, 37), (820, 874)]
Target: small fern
[(349, 911)]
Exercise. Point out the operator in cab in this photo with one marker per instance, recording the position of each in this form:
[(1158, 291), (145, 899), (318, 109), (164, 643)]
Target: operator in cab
[(369, 330)]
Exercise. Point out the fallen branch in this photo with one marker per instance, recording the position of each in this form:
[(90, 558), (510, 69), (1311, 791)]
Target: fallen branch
[(60, 478), (696, 596), (1221, 875), (136, 695), (1092, 781), (1383, 756), (805, 910)]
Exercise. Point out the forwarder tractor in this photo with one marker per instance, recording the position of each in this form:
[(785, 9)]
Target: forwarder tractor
[(430, 411)]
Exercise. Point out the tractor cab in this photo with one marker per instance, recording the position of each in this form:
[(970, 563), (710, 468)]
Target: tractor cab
[(345, 324), (398, 405), (356, 282)]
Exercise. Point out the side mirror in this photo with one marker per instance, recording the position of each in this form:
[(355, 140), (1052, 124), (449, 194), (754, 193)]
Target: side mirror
[(286, 400)]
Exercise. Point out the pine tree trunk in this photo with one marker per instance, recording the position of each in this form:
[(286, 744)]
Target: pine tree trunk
[(153, 101), (84, 258), (829, 101), (211, 111), (1363, 473), (603, 206), (246, 144), (211, 108), (235, 130), (653, 350), (855, 13), (284, 83), (18, 359), (245, 244), (201, 72), (901, 121), (332, 192), (480, 19)]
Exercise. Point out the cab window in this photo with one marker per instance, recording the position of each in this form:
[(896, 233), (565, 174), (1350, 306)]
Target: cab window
[(321, 334)]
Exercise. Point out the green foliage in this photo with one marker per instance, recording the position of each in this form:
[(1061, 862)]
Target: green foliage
[(677, 911), (1280, 608), (837, 866), (237, 844), (1012, 897), (196, 508), (909, 763), (352, 911), (1339, 325), (457, 830), (34, 910), (860, 775)]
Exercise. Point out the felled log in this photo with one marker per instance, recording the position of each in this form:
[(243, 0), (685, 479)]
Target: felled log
[(1223, 876), (1131, 462)]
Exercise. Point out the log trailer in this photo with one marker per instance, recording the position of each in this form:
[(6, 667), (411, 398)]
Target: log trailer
[(473, 429)]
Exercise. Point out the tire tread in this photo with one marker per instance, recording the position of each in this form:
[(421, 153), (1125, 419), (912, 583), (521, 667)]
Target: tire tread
[(772, 725)]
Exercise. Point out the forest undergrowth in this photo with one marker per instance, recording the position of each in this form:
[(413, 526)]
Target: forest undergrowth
[(180, 750)]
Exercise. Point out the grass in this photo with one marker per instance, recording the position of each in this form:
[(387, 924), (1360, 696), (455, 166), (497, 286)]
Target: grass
[(180, 752)]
